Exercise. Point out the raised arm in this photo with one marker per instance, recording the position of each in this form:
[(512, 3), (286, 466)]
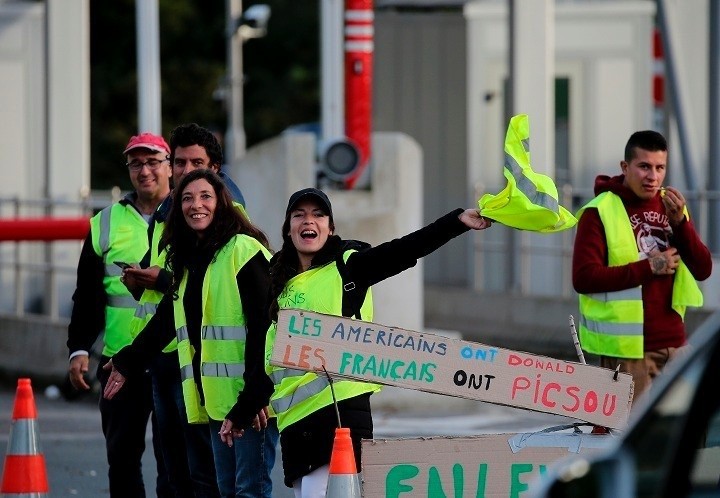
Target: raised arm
[(390, 258)]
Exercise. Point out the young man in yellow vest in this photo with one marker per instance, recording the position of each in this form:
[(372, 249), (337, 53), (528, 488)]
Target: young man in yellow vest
[(102, 304), (636, 262)]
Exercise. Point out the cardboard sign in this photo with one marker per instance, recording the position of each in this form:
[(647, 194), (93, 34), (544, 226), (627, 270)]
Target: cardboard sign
[(498, 465), (431, 363)]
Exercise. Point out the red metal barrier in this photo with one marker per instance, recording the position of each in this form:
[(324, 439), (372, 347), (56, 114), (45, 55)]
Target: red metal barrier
[(44, 229)]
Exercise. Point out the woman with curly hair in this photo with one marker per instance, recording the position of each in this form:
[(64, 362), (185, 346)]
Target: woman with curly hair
[(218, 301)]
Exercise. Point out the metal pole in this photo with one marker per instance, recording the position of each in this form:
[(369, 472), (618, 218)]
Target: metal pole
[(235, 136), (677, 107), (332, 69), (513, 248), (714, 126), (148, 62)]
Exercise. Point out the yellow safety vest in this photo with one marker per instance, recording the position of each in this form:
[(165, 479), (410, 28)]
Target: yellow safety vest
[(118, 233), (150, 299), (529, 200), (148, 303), (611, 323), (298, 393), (223, 333)]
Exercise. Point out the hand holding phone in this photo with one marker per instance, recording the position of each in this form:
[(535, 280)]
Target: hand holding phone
[(122, 264)]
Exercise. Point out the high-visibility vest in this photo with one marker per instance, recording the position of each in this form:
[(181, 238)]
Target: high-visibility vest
[(150, 298), (611, 323), (148, 302), (529, 200), (298, 393), (118, 233), (222, 335)]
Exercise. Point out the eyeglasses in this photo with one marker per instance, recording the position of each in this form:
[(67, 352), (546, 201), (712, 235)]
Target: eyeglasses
[(137, 165)]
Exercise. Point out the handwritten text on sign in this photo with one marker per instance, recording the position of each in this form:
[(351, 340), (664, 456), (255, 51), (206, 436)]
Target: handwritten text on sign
[(465, 467), (432, 363)]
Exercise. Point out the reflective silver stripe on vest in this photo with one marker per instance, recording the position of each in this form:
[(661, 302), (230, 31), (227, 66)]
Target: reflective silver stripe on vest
[(278, 375), (186, 372), (182, 333), (223, 369), (113, 270), (145, 309), (224, 333), (122, 302), (617, 329), (527, 187), (104, 238), (302, 393), (634, 294)]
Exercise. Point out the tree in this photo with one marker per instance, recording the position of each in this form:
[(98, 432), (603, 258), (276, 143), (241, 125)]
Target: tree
[(281, 74)]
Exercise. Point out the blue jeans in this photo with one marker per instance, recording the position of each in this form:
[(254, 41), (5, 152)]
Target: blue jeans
[(244, 470), (186, 448)]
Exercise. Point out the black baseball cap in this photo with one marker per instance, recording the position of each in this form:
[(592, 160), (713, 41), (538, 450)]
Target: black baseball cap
[(316, 194)]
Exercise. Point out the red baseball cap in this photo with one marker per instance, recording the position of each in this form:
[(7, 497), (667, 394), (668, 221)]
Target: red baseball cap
[(147, 141)]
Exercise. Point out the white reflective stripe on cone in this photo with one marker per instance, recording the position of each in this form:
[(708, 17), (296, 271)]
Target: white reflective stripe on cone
[(23, 438), (343, 486)]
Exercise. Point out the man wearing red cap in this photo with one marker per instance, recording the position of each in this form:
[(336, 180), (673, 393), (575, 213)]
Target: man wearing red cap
[(102, 304)]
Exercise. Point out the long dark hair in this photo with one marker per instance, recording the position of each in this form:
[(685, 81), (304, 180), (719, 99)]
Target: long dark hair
[(182, 242), (285, 265)]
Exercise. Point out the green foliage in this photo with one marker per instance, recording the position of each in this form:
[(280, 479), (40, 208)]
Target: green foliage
[(281, 74)]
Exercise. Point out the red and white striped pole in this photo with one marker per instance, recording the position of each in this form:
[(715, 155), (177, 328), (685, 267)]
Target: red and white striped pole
[(359, 37)]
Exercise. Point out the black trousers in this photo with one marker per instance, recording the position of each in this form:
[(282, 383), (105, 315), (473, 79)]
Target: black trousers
[(124, 422)]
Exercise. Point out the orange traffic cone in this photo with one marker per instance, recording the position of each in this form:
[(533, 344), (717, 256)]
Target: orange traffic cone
[(343, 481), (24, 473)]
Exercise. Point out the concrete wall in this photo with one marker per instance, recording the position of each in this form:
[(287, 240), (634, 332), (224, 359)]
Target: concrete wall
[(33, 346)]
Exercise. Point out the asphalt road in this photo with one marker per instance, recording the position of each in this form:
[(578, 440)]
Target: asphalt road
[(71, 440)]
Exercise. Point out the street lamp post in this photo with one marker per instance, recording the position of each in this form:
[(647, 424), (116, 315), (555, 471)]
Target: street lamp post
[(235, 136), (239, 29), (148, 64)]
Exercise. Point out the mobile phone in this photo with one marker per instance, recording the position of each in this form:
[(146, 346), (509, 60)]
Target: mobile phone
[(122, 264)]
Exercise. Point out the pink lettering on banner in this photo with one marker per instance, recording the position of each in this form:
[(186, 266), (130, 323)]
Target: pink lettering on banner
[(571, 398), (546, 364)]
